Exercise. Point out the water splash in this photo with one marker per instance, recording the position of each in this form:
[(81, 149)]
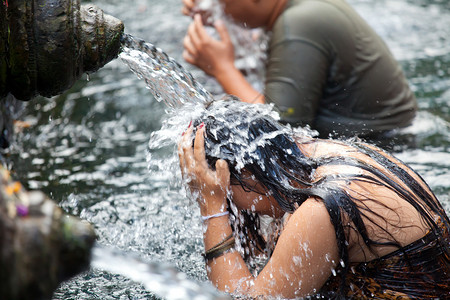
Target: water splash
[(161, 152), (168, 81), (161, 279)]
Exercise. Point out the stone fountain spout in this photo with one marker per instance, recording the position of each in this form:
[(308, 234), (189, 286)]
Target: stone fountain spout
[(46, 45), (40, 245)]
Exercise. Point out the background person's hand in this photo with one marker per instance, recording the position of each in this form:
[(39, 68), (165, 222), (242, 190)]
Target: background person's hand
[(191, 8), (188, 7), (207, 53), (211, 185)]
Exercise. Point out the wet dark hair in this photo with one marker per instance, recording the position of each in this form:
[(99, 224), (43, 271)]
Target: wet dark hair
[(273, 160), (249, 138)]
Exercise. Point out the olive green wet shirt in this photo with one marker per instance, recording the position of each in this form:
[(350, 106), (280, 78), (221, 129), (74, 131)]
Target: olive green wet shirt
[(328, 68)]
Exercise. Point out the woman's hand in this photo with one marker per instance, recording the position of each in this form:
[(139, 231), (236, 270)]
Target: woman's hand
[(211, 185), (207, 53)]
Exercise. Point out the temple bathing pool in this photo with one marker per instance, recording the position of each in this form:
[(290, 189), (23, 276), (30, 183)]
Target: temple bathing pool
[(89, 149)]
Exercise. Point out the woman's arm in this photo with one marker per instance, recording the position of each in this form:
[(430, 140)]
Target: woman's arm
[(304, 256)]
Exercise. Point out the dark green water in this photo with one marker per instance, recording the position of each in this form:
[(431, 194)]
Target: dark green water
[(87, 148)]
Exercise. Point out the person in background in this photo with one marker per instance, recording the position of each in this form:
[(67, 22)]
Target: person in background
[(353, 221), (326, 66)]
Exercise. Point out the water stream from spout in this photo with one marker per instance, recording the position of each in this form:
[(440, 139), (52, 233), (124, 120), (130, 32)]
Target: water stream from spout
[(161, 279), (168, 81)]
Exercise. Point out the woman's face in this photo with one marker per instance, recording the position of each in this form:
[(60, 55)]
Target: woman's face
[(257, 201)]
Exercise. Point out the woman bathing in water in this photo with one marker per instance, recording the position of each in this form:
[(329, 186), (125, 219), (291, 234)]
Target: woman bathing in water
[(357, 222)]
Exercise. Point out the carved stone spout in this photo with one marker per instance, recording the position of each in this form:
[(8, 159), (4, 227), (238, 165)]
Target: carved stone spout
[(40, 246), (46, 45)]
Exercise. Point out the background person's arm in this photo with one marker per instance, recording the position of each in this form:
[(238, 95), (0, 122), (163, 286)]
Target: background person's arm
[(296, 75), (216, 58)]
